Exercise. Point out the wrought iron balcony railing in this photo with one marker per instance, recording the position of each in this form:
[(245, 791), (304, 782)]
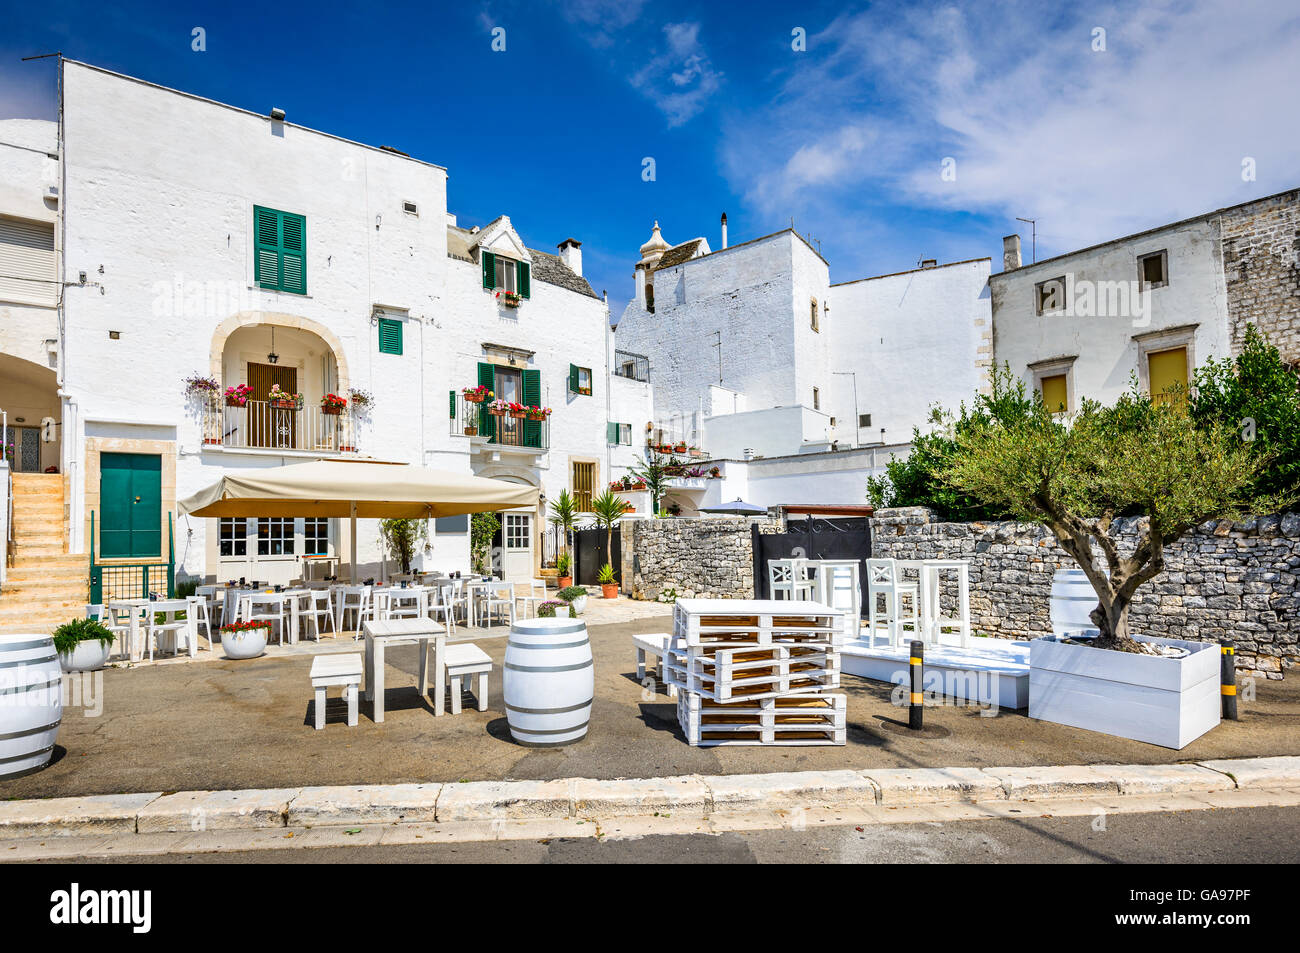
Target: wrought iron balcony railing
[(469, 419), (260, 424)]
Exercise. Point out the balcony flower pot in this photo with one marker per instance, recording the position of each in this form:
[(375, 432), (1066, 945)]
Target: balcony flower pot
[(331, 410), (1163, 701), (284, 404), (232, 401), (471, 430), (496, 413), (244, 643)]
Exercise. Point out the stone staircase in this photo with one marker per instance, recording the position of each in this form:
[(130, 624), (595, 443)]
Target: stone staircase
[(45, 586)]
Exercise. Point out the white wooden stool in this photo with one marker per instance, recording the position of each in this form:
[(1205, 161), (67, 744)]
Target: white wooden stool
[(653, 644), (342, 670), (465, 658)]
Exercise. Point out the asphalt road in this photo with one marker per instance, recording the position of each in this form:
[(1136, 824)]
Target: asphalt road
[(1266, 835)]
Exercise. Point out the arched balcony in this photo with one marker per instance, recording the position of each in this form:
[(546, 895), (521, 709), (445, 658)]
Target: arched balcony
[(274, 380)]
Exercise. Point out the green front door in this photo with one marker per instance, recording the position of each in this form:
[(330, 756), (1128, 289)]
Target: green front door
[(130, 497)]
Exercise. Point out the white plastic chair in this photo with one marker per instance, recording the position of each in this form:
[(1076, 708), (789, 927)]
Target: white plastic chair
[(438, 606), (886, 595), (354, 599), (277, 615), (157, 632), (499, 596), (197, 609), (534, 595), (314, 605)]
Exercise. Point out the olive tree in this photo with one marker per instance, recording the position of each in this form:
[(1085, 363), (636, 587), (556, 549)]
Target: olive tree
[(1077, 474)]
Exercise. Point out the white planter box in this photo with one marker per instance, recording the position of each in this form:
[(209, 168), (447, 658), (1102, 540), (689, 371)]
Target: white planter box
[(1162, 701)]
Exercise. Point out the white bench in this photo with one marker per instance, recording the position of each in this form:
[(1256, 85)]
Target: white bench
[(654, 644), (342, 670), (465, 658)]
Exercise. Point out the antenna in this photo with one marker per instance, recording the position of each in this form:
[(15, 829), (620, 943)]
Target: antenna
[(1033, 233)]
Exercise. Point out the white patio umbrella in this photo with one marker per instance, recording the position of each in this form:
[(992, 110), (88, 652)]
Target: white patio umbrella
[(355, 489)]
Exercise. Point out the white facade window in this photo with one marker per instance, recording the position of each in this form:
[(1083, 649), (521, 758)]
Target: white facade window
[(233, 534), (516, 534), (1049, 296), (1153, 270), (506, 270), (817, 398), (274, 536), (814, 322), (316, 536)]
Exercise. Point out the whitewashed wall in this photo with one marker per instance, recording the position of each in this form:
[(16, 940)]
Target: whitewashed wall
[(1106, 349), (913, 340)]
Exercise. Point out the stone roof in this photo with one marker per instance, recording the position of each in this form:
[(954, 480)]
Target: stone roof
[(678, 254), (546, 267)]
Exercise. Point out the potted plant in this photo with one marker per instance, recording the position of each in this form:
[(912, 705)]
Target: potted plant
[(564, 567), (608, 587), (283, 399), (362, 400), (508, 298), (498, 408), (608, 509), (332, 404), (715, 472), (243, 640), (83, 645), (552, 608), (517, 411), (564, 513), (471, 428), (538, 413), (476, 395), (576, 596), (237, 396), (695, 452), (1166, 473), (679, 447), (202, 388)]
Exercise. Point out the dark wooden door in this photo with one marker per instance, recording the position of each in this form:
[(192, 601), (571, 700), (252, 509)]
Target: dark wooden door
[(267, 426)]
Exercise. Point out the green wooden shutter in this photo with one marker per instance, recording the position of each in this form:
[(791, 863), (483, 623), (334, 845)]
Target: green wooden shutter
[(532, 398), (451, 399), (487, 375), (489, 270), (611, 433), (522, 272), (390, 336), (573, 378), (266, 238), (293, 253)]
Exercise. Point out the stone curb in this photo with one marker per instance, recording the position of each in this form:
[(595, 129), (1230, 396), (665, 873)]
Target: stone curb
[(590, 799)]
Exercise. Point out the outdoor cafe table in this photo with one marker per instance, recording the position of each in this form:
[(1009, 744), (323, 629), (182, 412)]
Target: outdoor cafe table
[(382, 633), (933, 621), (135, 609)]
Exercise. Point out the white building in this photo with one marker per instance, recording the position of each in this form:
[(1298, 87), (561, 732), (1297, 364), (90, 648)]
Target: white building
[(757, 357), (1151, 306), (206, 240)]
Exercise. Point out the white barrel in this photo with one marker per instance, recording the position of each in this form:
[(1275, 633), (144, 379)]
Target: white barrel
[(31, 704), (549, 682), (1073, 600)]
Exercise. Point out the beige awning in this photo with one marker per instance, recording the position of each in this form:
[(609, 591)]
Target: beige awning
[(355, 488)]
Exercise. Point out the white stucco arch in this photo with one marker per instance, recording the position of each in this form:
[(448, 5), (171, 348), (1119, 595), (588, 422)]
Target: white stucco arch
[(255, 318)]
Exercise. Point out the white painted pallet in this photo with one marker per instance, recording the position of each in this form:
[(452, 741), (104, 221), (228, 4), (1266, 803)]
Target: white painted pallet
[(742, 622), (799, 720), (770, 671)]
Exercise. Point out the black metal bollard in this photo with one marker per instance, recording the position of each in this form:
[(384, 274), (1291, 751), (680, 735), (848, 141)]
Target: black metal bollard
[(915, 667), (1228, 679)]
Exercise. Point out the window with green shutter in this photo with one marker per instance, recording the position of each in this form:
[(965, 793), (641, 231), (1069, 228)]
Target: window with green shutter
[(489, 261), (390, 336), (522, 278), (280, 250), (580, 379), (532, 394), (617, 434)]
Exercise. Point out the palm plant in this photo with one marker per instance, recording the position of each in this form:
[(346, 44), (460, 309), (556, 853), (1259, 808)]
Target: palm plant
[(564, 513), (608, 509), (654, 474)]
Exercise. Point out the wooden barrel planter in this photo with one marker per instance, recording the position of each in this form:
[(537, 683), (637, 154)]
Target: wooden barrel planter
[(31, 705), (549, 681)]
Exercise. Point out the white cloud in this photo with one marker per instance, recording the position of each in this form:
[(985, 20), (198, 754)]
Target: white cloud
[(679, 79), (1093, 144)]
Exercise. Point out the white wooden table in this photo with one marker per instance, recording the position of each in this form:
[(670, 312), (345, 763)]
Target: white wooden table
[(381, 634), (135, 612)]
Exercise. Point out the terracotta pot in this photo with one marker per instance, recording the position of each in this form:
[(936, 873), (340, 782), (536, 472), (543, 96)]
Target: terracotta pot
[(609, 590), (519, 414), (234, 402), (473, 399), (497, 413), (471, 431), (332, 411), (284, 404), (563, 582)]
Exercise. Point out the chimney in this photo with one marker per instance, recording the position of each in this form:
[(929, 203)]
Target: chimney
[(724, 229), (1011, 253), (571, 255)]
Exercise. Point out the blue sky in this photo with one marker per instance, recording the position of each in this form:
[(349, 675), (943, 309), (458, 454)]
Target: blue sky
[(848, 137)]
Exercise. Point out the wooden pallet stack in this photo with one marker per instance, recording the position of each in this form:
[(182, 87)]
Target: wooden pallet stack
[(757, 672)]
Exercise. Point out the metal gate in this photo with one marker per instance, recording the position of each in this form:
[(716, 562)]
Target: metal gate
[(813, 537), (589, 555)]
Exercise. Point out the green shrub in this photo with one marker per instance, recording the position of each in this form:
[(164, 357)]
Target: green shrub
[(546, 610), (70, 634), (569, 593)]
